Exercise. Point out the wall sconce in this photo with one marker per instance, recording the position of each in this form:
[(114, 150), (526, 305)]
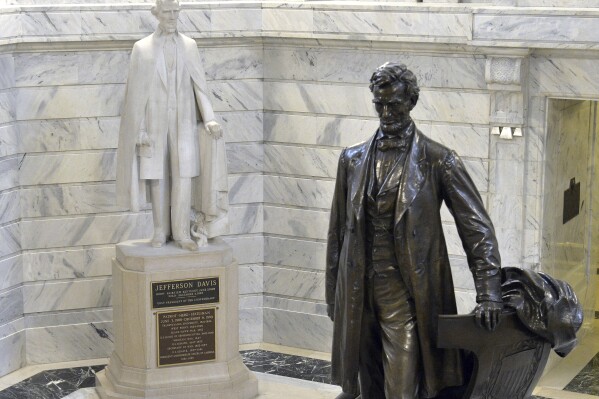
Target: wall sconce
[(506, 132)]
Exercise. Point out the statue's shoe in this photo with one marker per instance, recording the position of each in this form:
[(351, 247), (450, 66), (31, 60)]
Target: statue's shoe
[(187, 244), (159, 239)]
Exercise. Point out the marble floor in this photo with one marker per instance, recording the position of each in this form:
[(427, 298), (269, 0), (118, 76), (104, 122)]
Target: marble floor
[(290, 373)]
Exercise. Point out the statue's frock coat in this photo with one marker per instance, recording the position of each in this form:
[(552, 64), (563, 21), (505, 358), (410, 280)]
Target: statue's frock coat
[(432, 174)]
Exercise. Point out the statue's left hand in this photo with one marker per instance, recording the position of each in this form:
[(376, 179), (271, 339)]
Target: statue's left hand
[(214, 129), (487, 314)]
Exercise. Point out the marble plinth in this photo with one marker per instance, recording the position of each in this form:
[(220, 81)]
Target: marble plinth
[(133, 370)]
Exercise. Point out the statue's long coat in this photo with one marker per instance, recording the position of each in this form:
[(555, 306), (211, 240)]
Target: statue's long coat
[(432, 174), (145, 107)]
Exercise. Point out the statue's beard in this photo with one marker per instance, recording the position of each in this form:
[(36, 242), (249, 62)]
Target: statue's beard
[(393, 128)]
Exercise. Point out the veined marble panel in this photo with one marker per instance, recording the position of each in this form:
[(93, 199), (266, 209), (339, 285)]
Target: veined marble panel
[(467, 141), (242, 126), (432, 71), (386, 22), (70, 342), (510, 246), (12, 352), (294, 222), (68, 134), (9, 206), (311, 193), (294, 283), (462, 277), (68, 168), (60, 318), (251, 325), (300, 161), (466, 301), (10, 239), (305, 254), (295, 305), (236, 19), (532, 205), (478, 169), (12, 327), (12, 305), (318, 98), (245, 157), (507, 169), (233, 63), (287, 20), (251, 301), (102, 67), (84, 230), (193, 21), (61, 200), (506, 210), (9, 172), (7, 106), (289, 64), (50, 23), (300, 330), (236, 95), (528, 28), (45, 69), (50, 69), (7, 70), (433, 105), (116, 22), (317, 130), (65, 295), (247, 249), (67, 263), (452, 240), (569, 76), (11, 25), (453, 106), (11, 270), (532, 246), (251, 279), (246, 219), (246, 189), (69, 101), (9, 144)]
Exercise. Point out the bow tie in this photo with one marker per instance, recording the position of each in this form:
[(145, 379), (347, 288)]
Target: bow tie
[(386, 144)]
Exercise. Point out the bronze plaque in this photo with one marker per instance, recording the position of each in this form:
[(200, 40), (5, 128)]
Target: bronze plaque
[(571, 201), (186, 336), (175, 293)]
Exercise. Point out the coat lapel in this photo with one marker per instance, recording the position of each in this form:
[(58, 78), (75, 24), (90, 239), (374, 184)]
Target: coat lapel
[(412, 178), (159, 57), (361, 162), (180, 60)]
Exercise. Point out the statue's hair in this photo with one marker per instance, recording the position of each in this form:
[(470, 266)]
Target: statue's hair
[(159, 4), (391, 72)]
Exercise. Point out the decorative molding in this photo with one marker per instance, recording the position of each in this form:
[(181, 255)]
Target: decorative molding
[(506, 81)]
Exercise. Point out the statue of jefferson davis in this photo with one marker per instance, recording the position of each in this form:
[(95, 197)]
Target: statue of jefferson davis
[(387, 274), (170, 145)]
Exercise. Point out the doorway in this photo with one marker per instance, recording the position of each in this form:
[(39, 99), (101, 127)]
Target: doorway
[(570, 232)]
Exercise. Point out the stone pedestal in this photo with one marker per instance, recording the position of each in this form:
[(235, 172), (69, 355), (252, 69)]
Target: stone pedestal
[(135, 369)]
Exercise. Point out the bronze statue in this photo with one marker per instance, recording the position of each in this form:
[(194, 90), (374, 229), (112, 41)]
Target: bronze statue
[(388, 276)]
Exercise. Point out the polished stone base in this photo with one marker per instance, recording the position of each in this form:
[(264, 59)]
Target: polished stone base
[(134, 370)]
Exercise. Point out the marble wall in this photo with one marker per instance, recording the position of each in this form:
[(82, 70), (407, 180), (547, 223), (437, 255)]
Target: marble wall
[(289, 84), (12, 336)]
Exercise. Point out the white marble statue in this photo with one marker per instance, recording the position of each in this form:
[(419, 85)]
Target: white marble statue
[(166, 149)]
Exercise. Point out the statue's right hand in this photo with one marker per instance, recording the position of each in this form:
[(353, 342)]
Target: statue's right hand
[(144, 139), (331, 311)]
